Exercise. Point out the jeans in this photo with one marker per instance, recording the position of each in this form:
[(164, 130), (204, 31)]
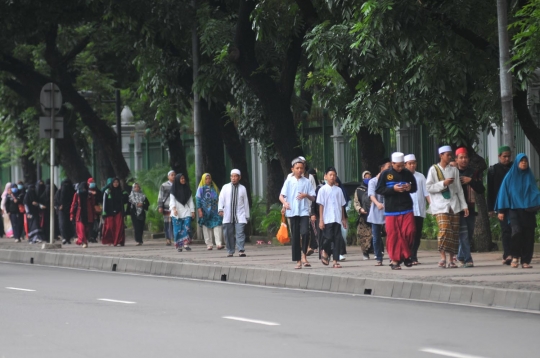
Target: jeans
[(229, 233), (376, 231), (466, 231)]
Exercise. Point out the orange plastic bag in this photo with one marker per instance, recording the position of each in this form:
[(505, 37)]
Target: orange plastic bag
[(283, 233)]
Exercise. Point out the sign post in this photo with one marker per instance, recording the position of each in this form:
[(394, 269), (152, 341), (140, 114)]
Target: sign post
[(51, 103)]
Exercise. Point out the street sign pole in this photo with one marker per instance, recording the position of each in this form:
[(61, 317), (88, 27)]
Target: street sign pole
[(51, 202), (51, 104)]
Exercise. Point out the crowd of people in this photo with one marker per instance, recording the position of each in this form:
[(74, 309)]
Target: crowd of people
[(392, 203)]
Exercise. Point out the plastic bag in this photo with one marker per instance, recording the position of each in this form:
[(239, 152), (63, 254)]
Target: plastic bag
[(283, 233)]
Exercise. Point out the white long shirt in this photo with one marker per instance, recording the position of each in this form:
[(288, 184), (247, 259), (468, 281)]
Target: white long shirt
[(225, 204), (440, 205), (290, 190), (419, 197), (311, 180), (182, 211), (332, 200)]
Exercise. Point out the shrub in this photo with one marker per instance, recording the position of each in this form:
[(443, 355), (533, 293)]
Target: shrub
[(271, 222)]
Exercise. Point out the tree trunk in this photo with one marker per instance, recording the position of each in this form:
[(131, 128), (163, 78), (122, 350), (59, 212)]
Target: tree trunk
[(371, 150), (274, 183), (177, 154), (102, 161), (531, 130), (237, 152), (505, 74), (29, 169), (213, 150), (71, 161), (482, 240)]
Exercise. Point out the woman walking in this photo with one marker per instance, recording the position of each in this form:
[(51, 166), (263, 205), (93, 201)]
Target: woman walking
[(83, 213), (518, 202), (182, 212), (207, 203), (113, 215), (62, 202), (46, 212), (33, 215), (14, 199), (138, 205), (5, 214)]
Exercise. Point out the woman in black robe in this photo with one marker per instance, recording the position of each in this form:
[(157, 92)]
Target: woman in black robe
[(63, 200), (33, 218), (44, 200)]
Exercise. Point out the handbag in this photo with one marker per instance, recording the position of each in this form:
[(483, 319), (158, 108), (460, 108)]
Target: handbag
[(283, 233)]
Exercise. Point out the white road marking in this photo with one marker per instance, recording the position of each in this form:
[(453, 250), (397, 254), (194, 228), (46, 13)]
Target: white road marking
[(115, 301), (447, 353), (20, 289), (251, 321)]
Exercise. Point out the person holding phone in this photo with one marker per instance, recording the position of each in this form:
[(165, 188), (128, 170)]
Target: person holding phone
[(447, 202)]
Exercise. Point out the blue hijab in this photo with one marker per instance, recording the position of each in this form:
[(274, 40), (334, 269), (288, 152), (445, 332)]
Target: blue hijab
[(518, 189)]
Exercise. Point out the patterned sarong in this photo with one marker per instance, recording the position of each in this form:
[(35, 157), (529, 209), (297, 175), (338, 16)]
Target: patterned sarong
[(448, 237)]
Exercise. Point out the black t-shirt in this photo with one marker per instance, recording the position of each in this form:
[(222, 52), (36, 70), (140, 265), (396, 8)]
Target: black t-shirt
[(394, 201)]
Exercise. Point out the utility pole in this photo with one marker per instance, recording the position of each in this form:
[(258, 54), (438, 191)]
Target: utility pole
[(505, 75), (197, 125)]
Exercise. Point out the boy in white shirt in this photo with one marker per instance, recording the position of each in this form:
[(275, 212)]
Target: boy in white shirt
[(296, 194), (332, 212)]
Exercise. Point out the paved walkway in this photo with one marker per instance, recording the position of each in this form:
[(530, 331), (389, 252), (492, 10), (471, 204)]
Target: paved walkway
[(489, 272)]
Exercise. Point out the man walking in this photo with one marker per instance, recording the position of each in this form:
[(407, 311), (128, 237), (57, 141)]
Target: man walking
[(447, 202), (419, 204), (376, 213), (233, 206), (495, 176), (362, 205), (396, 184), (163, 206), (471, 183), (331, 213), (296, 195)]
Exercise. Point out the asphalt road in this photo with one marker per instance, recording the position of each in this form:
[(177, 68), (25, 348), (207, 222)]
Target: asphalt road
[(54, 312)]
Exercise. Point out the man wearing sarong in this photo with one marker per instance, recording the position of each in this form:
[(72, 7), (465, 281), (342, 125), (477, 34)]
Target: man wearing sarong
[(447, 202), (396, 184)]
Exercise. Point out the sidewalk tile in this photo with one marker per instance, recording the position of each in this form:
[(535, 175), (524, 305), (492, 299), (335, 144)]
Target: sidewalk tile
[(477, 296), (416, 290), (357, 285), (315, 281), (489, 296), (425, 293), (500, 297), (406, 289), (455, 294), (466, 294), (327, 282), (534, 301), (523, 300), (343, 285), (396, 290)]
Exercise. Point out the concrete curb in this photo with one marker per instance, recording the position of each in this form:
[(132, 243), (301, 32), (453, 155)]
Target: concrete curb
[(427, 291)]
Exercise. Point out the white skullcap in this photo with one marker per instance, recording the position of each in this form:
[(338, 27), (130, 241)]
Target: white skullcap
[(297, 160), (235, 171), (397, 157), (409, 157), (302, 159), (444, 149), (171, 172)]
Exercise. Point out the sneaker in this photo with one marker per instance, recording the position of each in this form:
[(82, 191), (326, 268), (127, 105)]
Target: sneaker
[(84, 246), (187, 248), (17, 240), (342, 258), (366, 256), (179, 249), (64, 242), (242, 254)]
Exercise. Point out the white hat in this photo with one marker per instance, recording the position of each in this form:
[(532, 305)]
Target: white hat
[(444, 149), (302, 158), (297, 160), (171, 172), (397, 157), (409, 157), (235, 171)]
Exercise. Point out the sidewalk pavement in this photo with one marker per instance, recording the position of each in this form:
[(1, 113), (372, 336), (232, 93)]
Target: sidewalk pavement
[(489, 283)]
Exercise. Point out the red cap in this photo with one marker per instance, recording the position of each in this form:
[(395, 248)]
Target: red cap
[(461, 150), (90, 180)]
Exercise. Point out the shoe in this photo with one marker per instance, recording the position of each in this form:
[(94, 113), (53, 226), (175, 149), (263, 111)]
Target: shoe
[(68, 242), (342, 258), (230, 255), (220, 247), (138, 244), (17, 240), (168, 243), (210, 248), (408, 262), (84, 246), (63, 242), (179, 249), (242, 254), (187, 248), (366, 256)]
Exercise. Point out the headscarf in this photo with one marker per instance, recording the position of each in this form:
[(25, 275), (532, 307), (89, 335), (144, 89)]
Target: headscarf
[(45, 197), (29, 198), (137, 197), (108, 185), (4, 196), (203, 183), (66, 193), (181, 192), (518, 189), (40, 188)]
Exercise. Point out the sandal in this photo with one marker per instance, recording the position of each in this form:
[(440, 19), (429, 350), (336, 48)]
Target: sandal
[(415, 263), (298, 266), (324, 260), (336, 266), (468, 264), (307, 264), (395, 267), (452, 265), (507, 260), (408, 262), (209, 247), (442, 264), (515, 263), (379, 263), (168, 243), (526, 266), (310, 252)]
